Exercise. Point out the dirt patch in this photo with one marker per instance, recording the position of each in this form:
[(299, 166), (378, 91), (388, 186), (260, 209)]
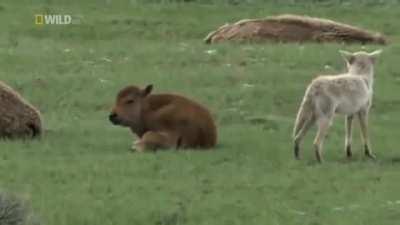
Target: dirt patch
[(293, 28)]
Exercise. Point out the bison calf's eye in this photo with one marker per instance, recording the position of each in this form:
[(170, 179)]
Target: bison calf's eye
[(129, 102)]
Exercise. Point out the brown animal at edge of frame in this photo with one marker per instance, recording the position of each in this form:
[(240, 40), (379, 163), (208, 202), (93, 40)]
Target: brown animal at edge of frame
[(18, 118)]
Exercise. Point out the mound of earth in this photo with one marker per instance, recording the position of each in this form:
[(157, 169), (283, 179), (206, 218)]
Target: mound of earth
[(293, 28)]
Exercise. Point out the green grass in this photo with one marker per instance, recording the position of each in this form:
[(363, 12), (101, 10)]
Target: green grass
[(82, 172)]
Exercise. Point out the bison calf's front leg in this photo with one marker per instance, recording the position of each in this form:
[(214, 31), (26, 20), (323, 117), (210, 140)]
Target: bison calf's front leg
[(152, 141)]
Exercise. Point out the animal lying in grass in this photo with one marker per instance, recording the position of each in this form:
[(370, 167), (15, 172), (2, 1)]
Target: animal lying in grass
[(18, 118), (349, 94), (163, 121), (293, 28)]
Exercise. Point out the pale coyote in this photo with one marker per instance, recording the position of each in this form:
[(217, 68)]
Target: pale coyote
[(348, 94)]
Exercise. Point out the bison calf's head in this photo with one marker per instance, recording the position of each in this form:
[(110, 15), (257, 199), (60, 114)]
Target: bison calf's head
[(129, 105)]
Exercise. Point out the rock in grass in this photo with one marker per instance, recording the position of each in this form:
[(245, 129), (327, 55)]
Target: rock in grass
[(293, 28), (18, 118)]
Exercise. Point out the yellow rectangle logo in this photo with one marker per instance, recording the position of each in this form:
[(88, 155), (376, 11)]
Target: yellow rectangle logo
[(39, 19)]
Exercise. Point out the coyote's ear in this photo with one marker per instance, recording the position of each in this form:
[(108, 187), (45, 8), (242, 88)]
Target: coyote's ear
[(373, 55), (348, 56), (147, 90)]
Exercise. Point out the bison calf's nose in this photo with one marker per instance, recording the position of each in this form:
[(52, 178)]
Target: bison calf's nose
[(113, 118)]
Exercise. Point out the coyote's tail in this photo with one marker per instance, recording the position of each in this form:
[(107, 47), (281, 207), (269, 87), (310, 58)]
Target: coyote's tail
[(304, 114)]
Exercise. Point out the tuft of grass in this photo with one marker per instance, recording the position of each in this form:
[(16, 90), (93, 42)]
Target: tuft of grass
[(14, 211)]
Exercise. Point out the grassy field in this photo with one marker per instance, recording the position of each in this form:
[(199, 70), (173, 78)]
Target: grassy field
[(82, 172)]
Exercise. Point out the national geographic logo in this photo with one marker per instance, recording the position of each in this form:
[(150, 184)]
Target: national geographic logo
[(53, 19)]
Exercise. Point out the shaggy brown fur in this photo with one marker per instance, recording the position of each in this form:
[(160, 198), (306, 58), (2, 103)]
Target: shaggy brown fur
[(163, 120), (18, 118), (293, 28)]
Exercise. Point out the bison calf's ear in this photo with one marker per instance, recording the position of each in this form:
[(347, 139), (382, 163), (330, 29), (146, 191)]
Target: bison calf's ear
[(147, 90)]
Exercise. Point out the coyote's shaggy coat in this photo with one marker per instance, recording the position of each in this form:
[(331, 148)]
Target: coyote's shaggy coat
[(18, 118), (349, 94), (164, 120)]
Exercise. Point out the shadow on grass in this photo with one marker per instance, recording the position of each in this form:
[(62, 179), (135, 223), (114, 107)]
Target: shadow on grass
[(342, 161), (218, 147), (390, 160), (395, 159), (365, 159)]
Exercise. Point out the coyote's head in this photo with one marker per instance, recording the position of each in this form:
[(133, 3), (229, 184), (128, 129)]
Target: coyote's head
[(360, 63)]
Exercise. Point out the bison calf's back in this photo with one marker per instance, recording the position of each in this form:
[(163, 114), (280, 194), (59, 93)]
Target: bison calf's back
[(164, 120)]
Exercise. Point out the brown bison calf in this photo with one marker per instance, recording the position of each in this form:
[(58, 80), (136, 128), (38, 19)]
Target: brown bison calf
[(163, 120), (18, 118)]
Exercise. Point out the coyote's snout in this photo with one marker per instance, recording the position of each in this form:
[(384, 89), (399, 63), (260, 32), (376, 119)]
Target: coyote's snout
[(349, 94)]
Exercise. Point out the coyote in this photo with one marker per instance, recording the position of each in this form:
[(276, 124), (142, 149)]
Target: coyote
[(348, 94)]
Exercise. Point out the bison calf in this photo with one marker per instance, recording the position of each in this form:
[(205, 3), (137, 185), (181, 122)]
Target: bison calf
[(163, 120), (18, 118)]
